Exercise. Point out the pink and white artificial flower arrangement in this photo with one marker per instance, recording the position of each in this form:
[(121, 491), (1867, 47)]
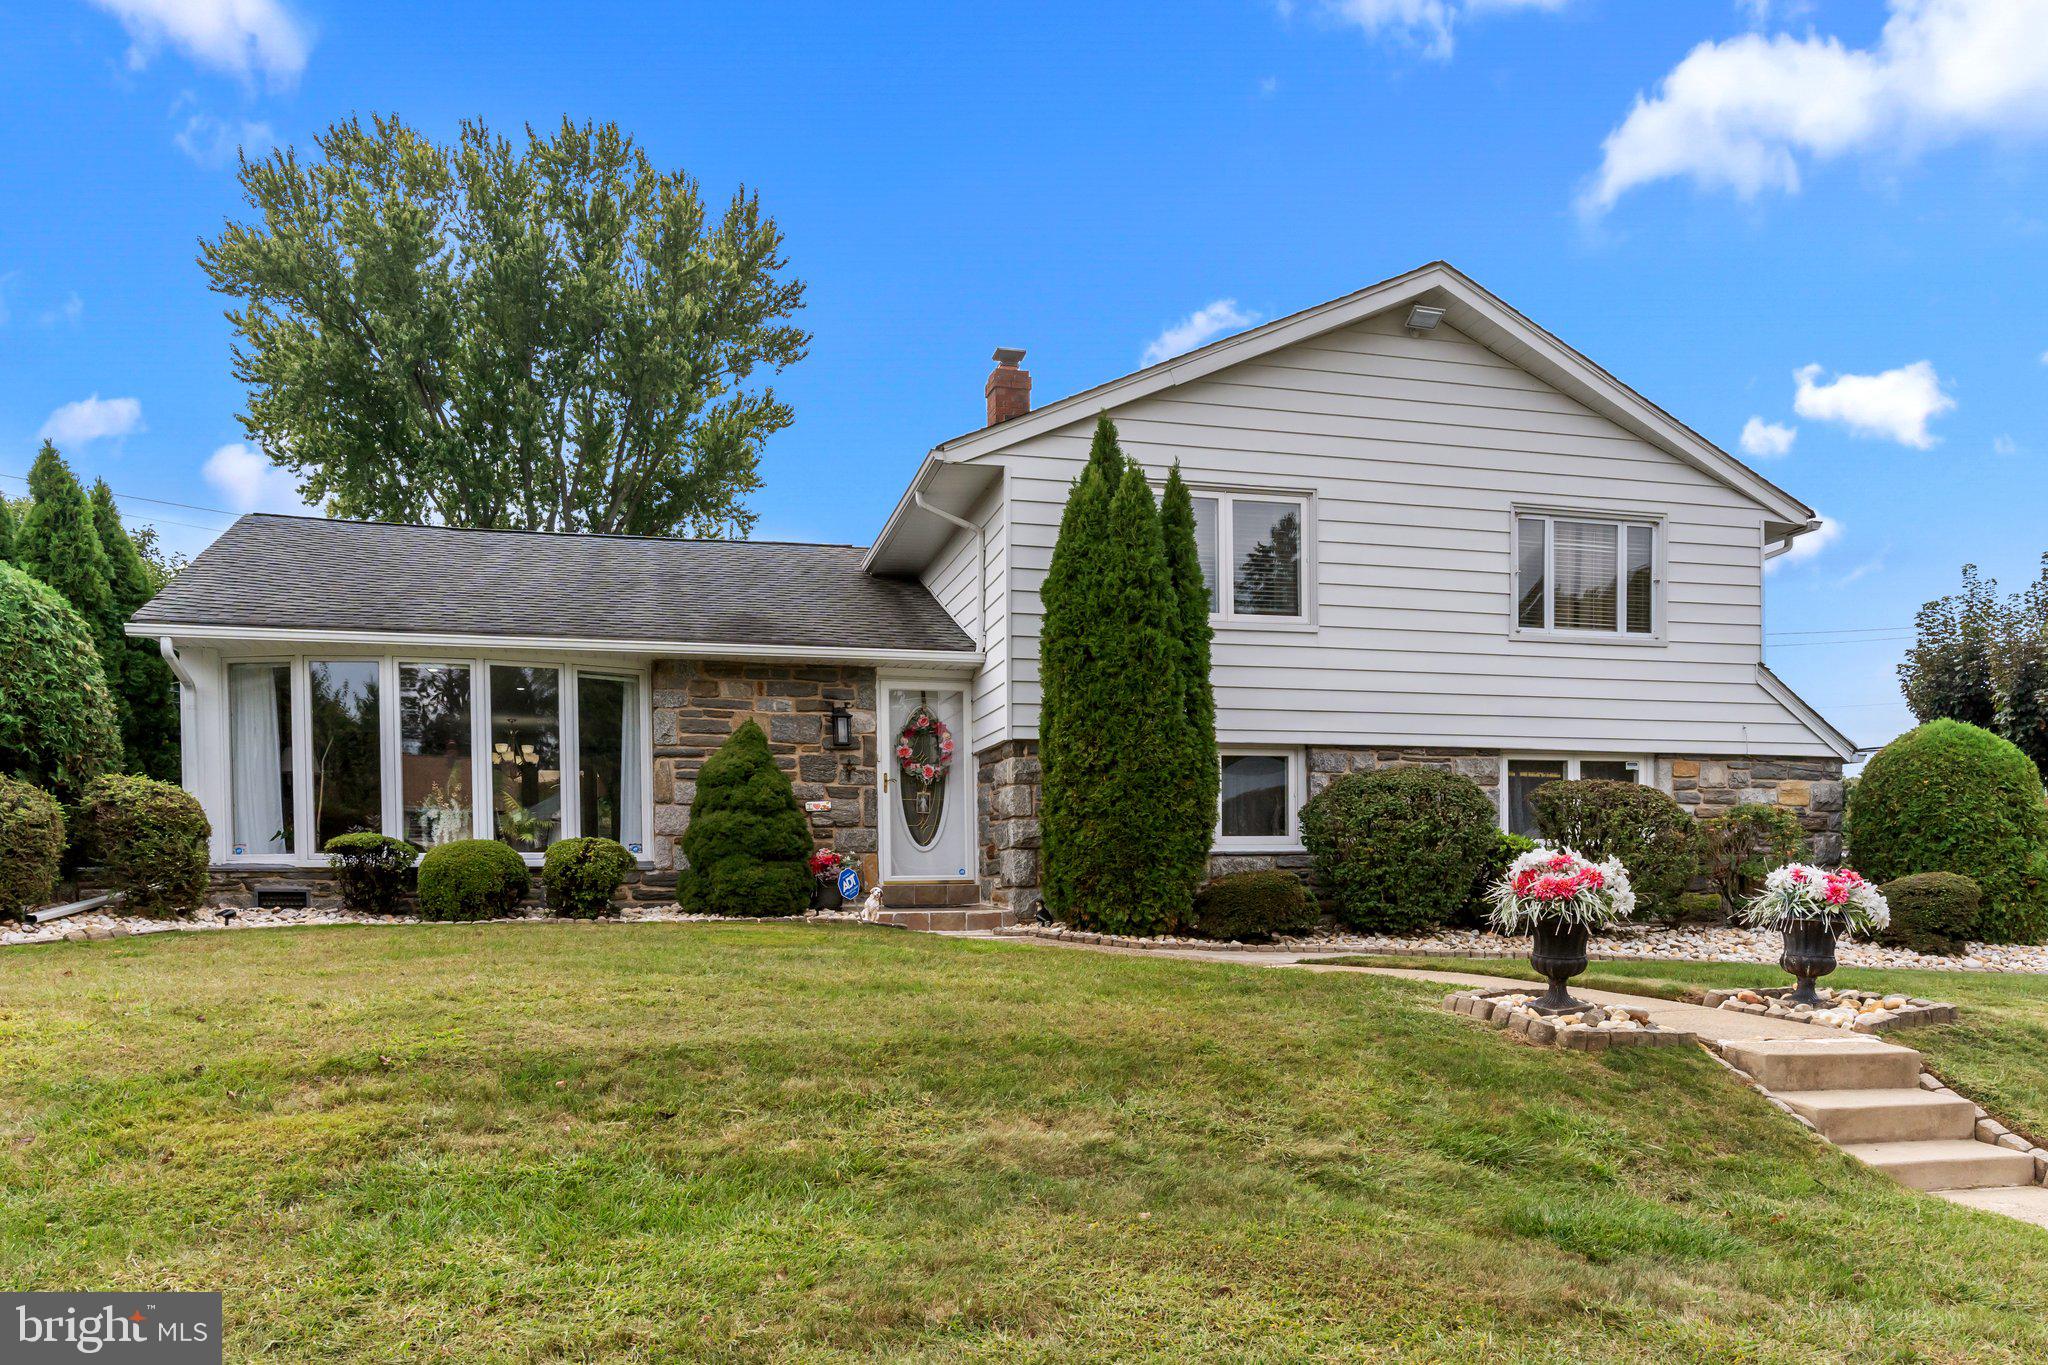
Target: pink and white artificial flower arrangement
[(1800, 893), (1561, 888)]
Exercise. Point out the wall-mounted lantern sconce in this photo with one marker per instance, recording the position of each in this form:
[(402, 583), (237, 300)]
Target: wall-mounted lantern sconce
[(842, 727)]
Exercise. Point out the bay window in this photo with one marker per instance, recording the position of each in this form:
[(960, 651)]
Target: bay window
[(1259, 537), (431, 751), (1585, 576)]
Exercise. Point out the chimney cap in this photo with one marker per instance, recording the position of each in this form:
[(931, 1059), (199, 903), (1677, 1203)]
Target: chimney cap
[(1008, 355)]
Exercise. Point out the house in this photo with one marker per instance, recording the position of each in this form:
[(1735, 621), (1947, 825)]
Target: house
[(1434, 534)]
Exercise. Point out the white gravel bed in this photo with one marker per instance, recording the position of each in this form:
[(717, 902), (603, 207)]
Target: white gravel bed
[(97, 925)]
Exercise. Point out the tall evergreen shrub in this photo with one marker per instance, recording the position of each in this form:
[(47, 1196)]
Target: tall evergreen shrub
[(1115, 843), (748, 842), (9, 529), (57, 727), (1197, 778), (60, 544), (145, 690)]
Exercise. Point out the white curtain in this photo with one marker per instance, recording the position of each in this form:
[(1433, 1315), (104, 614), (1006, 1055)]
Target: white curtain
[(255, 753), (630, 796)]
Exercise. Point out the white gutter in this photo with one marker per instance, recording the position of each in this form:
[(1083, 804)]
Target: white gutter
[(166, 647), (1774, 548), (980, 562), (691, 649)]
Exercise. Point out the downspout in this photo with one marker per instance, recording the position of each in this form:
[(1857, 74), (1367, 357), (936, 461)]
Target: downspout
[(1772, 549), (170, 653), (188, 701), (980, 563)]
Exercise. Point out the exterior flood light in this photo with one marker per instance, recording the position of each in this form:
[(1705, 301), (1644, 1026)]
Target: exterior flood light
[(1424, 318), (842, 728)]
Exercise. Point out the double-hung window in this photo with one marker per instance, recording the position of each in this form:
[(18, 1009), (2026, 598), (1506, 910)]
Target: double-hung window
[(1585, 576), (1253, 552)]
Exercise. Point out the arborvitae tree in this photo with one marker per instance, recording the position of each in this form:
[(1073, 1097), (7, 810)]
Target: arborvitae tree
[(1113, 822), (57, 727), (143, 683), (1199, 781), (59, 544), (748, 843), (8, 531)]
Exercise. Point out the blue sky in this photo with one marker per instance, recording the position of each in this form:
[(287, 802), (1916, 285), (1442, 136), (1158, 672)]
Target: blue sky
[(1827, 218)]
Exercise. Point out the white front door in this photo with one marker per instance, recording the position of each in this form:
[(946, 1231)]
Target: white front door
[(927, 792)]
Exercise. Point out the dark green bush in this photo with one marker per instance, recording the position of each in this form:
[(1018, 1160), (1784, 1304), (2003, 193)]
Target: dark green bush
[(1949, 797), (31, 845), (1932, 912), (1649, 832), (748, 843), (371, 869), (1506, 848), (1740, 847), (1398, 850), (1253, 907), (57, 718), (471, 879), (150, 836), (582, 874)]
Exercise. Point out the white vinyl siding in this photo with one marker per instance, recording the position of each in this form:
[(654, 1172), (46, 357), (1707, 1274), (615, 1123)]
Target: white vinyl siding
[(1419, 453), (952, 578)]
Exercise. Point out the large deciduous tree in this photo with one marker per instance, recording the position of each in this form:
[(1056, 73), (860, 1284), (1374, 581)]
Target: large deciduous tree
[(1948, 673), (553, 336)]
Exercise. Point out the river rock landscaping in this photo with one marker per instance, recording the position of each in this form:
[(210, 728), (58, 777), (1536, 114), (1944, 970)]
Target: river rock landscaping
[(1858, 1011), (1593, 1029)]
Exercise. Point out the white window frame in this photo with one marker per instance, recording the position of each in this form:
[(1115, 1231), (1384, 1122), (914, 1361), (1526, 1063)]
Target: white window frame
[(1620, 635), (1225, 616), (1646, 772), (391, 744), (1297, 797)]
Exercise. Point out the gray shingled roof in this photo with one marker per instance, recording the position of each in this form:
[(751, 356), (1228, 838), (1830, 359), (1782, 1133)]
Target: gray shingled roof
[(310, 574)]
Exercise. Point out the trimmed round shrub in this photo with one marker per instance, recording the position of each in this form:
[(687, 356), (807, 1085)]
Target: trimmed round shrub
[(150, 837), (1740, 847), (31, 844), (582, 874), (472, 879), (57, 719), (748, 843), (1506, 848), (1932, 912), (1398, 850), (1648, 831), (1253, 907), (371, 869), (1949, 797)]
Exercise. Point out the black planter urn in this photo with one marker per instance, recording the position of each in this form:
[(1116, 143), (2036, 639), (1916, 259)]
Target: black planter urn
[(1558, 955), (1809, 955), (825, 892)]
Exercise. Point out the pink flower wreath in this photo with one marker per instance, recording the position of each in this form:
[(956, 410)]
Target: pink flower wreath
[(924, 747)]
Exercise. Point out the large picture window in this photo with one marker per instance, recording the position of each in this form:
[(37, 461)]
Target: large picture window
[(432, 751), (1585, 576), (1260, 537)]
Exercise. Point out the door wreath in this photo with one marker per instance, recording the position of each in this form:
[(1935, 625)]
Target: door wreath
[(924, 757)]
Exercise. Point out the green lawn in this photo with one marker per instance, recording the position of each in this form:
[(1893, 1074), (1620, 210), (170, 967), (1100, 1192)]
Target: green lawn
[(559, 1142), (1997, 1053)]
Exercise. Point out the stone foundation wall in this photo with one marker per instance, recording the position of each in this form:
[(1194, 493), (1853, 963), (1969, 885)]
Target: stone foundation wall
[(1810, 788), (699, 703), (233, 884), (1006, 803)]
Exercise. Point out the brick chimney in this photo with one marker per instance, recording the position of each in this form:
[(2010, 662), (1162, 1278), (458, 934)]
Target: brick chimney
[(1008, 389)]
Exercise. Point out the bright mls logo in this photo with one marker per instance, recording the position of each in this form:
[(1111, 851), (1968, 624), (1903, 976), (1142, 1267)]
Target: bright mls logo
[(164, 1329)]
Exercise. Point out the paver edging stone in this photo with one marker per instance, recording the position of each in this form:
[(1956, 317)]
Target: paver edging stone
[(1505, 1008)]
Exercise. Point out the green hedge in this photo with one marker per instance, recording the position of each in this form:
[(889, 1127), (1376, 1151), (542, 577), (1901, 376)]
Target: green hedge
[(150, 836), (1253, 907), (748, 844), (1932, 912), (1398, 850), (582, 874), (472, 879), (1949, 797), (57, 718), (31, 845), (371, 869), (1648, 831)]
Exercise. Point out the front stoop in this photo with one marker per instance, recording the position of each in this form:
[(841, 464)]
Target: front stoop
[(952, 919), (1868, 1098), (937, 895)]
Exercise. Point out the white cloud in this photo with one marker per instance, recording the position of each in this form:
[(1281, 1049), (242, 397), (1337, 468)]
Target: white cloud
[(1767, 439), (242, 37), (1269, 86), (69, 311), (1742, 114), (250, 482), (1863, 570), (1198, 328), (1427, 24), (92, 419), (1808, 546), (213, 142), (2004, 445), (1895, 405)]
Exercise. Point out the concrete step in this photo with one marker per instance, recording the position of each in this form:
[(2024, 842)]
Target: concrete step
[(1884, 1115), (1848, 1063), (1949, 1164), (2028, 1203), (956, 918)]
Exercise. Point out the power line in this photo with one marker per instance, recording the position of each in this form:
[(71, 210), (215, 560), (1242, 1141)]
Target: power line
[(1850, 630), (159, 502), (1837, 644)]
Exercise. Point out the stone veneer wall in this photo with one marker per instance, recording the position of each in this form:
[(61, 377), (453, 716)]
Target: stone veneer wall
[(699, 703), (1811, 788), (1006, 802)]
